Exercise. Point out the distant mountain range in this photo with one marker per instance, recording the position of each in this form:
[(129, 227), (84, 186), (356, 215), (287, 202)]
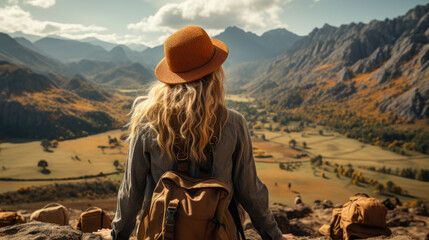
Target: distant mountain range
[(97, 60), (379, 67), (13, 52), (375, 69)]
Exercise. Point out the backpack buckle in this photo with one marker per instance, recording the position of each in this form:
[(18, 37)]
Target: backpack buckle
[(182, 156), (170, 217)]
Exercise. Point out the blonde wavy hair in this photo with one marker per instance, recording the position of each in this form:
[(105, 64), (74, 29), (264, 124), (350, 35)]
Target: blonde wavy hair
[(186, 111)]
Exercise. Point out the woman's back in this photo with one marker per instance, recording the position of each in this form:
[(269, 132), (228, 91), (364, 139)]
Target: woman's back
[(180, 116)]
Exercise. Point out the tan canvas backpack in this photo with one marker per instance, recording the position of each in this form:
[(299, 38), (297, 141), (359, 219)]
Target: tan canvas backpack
[(8, 218), (92, 219), (361, 217), (184, 208), (51, 213)]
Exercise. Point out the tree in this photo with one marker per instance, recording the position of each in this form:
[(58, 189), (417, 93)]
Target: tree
[(321, 132), (43, 164), (45, 144), (54, 143), (116, 164), (304, 144), (292, 143), (390, 185)]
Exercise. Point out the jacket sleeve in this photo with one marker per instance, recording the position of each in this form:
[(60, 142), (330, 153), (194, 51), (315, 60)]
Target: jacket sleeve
[(131, 191), (249, 190)]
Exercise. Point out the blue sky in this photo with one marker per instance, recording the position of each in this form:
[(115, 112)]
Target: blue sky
[(149, 22)]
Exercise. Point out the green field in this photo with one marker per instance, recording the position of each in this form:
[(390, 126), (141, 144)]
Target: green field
[(20, 161), (336, 148)]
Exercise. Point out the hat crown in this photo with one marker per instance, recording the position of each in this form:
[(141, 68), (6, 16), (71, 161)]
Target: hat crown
[(187, 49)]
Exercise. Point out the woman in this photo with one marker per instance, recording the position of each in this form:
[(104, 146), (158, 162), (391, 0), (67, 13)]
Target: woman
[(188, 104)]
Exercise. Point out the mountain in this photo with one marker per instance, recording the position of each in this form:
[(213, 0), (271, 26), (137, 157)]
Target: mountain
[(82, 87), (26, 43), (247, 46), (32, 106), (13, 52), (15, 80), (125, 76), (109, 46), (73, 50), (90, 68), (97, 42), (152, 56), (243, 46), (137, 47), (31, 38), (376, 69)]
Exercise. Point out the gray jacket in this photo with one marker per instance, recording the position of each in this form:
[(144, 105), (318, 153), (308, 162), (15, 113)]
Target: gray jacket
[(232, 162)]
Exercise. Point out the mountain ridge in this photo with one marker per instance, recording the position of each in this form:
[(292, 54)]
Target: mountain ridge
[(353, 62)]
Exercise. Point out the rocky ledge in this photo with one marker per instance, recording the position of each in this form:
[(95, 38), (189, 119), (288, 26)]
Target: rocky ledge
[(42, 231), (301, 220)]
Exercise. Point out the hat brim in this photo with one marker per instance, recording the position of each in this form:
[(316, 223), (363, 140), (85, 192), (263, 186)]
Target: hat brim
[(165, 75)]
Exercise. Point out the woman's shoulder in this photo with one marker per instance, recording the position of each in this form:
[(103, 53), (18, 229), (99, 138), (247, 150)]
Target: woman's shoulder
[(235, 117)]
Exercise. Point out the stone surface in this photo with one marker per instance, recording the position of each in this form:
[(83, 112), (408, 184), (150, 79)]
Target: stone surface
[(43, 231)]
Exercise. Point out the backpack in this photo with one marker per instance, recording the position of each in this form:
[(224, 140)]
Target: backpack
[(184, 208), (10, 218), (92, 219), (361, 217), (51, 213)]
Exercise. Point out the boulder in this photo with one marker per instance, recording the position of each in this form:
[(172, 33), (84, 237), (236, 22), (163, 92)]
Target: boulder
[(323, 204), (44, 231)]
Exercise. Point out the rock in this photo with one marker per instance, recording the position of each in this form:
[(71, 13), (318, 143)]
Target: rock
[(323, 204), (380, 55), (409, 105), (420, 211), (42, 231), (345, 74), (296, 211)]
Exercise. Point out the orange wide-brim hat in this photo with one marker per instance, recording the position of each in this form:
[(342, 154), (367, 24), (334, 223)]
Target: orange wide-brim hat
[(190, 54)]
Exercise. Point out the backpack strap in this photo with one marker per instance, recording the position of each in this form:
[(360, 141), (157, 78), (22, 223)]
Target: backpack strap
[(170, 220), (234, 212), (182, 157)]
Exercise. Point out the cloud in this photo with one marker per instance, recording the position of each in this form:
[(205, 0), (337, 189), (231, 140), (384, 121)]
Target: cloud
[(12, 2), (14, 19), (40, 3), (214, 15)]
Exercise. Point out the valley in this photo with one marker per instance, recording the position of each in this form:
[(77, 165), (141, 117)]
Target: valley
[(82, 156)]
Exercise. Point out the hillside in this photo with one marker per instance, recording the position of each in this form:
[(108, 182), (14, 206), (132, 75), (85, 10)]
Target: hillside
[(90, 68), (32, 106), (126, 76), (13, 52), (82, 87), (377, 69)]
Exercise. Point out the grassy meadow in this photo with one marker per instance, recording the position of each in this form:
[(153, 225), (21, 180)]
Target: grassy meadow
[(83, 156), (307, 181), (72, 158)]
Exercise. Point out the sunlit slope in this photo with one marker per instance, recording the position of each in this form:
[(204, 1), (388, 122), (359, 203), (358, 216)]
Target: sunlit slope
[(32, 106)]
